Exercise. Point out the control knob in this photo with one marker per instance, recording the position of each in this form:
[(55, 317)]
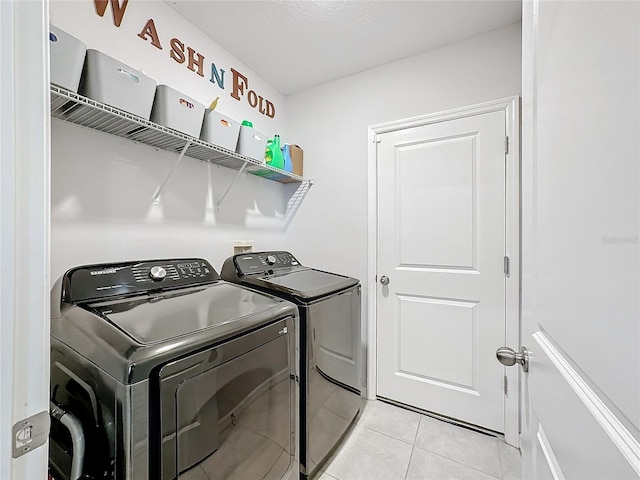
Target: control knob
[(271, 260), (157, 273)]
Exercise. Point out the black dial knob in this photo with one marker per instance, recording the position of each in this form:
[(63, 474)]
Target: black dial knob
[(271, 260), (157, 273)]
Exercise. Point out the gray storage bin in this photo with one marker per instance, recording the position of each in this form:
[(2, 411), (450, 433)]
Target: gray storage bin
[(66, 59), (220, 130), (107, 80), (174, 109), (251, 143)]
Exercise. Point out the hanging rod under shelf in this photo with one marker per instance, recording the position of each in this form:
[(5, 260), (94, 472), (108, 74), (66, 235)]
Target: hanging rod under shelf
[(77, 109)]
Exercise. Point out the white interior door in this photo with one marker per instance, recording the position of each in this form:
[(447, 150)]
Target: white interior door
[(441, 244), (580, 249)]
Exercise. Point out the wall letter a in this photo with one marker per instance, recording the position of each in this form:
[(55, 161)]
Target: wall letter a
[(118, 10), (150, 30)]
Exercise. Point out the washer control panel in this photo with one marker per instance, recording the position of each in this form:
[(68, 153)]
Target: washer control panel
[(264, 262), (94, 282)]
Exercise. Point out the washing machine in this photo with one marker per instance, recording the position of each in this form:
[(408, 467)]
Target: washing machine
[(161, 370), (331, 368)]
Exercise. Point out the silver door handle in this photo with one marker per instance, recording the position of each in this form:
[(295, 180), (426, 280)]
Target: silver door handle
[(384, 280), (507, 356)]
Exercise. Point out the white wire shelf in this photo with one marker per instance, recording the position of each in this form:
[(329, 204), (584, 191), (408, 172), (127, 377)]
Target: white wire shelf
[(74, 108)]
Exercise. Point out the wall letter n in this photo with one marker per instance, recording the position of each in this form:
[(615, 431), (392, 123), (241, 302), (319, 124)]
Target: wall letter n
[(118, 10)]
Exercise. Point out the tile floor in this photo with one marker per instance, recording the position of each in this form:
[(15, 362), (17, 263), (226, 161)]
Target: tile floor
[(389, 443)]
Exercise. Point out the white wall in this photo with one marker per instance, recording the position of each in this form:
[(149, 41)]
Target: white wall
[(102, 186), (330, 123), (102, 210)]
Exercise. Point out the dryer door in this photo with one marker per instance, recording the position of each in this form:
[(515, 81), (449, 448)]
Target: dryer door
[(229, 411), (334, 337)]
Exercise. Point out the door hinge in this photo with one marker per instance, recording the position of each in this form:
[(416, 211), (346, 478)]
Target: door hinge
[(506, 266), (506, 385), (506, 145), (377, 138)]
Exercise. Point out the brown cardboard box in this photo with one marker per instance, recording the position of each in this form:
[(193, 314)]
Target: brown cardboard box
[(296, 159)]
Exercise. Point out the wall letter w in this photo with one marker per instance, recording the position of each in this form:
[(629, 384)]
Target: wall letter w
[(118, 10)]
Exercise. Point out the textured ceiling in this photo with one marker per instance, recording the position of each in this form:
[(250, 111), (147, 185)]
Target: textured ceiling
[(295, 45)]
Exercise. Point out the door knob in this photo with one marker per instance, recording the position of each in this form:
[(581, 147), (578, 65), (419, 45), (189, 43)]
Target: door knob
[(384, 280), (507, 356)]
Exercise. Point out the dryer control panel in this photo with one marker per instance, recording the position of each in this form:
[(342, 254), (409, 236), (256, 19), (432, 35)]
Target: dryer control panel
[(264, 262), (102, 281)]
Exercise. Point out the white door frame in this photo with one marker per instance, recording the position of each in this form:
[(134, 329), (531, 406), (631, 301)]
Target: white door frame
[(511, 107), (24, 238)]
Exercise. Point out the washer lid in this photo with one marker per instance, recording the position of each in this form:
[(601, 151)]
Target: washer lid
[(305, 283), (168, 315), (129, 337), (281, 273)]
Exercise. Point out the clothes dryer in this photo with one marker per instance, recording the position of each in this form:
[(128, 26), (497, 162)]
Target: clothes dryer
[(331, 368)]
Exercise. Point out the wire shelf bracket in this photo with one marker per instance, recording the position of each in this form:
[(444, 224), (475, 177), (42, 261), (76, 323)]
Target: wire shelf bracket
[(162, 186), (233, 182)]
